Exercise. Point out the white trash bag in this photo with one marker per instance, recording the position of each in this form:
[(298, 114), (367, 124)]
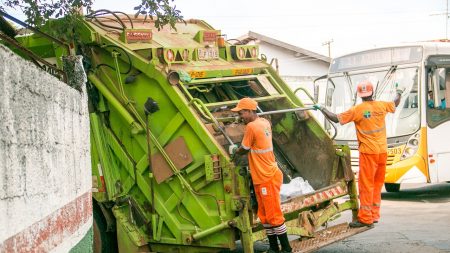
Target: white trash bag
[(296, 187)]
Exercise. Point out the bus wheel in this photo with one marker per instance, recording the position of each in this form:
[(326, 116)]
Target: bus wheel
[(104, 242), (392, 187)]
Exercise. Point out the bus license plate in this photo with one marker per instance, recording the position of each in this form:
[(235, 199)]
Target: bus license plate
[(208, 53)]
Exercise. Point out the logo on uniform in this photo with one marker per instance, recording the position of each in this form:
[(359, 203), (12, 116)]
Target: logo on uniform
[(366, 114), (267, 132), (264, 191)]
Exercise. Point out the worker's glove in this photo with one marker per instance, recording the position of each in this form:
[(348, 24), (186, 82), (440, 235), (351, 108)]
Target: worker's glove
[(317, 107), (232, 150), (399, 89)]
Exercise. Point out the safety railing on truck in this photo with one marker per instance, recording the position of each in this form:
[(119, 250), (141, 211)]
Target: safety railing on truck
[(37, 60), (315, 102)]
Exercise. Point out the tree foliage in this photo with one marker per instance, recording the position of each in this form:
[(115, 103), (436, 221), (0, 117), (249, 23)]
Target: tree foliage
[(38, 12), (161, 9)]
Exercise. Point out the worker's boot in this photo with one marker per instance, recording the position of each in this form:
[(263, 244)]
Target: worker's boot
[(284, 241), (358, 224), (273, 242)]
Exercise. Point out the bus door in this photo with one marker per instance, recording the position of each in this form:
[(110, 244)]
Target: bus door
[(438, 117)]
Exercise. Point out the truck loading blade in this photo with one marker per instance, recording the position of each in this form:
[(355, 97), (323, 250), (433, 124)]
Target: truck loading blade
[(286, 110), (225, 119)]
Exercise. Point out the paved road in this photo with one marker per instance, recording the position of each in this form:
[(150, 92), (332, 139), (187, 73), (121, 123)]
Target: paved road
[(416, 219)]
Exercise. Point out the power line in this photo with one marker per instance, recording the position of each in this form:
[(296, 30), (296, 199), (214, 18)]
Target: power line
[(446, 19), (322, 13), (298, 27)]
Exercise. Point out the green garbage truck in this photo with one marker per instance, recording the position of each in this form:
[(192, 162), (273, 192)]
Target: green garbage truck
[(161, 126)]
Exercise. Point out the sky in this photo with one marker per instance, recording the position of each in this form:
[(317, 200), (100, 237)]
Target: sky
[(352, 25)]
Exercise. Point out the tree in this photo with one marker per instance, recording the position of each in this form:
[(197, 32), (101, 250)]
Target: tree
[(38, 12)]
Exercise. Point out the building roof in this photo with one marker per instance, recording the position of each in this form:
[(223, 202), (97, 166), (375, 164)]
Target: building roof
[(269, 40)]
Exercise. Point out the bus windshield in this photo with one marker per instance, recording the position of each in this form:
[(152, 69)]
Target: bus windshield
[(341, 96)]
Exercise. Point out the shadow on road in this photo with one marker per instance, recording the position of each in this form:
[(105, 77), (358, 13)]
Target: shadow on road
[(433, 193)]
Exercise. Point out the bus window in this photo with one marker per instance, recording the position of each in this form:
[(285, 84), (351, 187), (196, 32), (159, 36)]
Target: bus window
[(438, 95)]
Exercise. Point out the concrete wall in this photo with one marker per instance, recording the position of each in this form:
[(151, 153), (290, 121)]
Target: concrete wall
[(45, 174)]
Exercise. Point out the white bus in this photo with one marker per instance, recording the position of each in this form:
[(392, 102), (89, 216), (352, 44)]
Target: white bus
[(419, 131)]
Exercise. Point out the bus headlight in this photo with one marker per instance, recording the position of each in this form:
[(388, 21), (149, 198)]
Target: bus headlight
[(411, 146)]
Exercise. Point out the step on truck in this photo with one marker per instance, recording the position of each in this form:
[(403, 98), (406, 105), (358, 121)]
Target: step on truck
[(161, 127)]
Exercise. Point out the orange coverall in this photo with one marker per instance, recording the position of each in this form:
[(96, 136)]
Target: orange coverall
[(369, 119), (266, 176)]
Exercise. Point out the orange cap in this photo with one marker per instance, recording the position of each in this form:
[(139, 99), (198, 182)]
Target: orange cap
[(364, 89), (245, 104)]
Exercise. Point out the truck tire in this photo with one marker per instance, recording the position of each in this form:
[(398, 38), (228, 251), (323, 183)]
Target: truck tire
[(390, 187), (104, 242)]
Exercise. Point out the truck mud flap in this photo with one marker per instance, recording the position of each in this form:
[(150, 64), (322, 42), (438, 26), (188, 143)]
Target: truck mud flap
[(325, 237)]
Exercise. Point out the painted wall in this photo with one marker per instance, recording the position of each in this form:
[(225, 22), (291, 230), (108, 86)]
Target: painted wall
[(292, 63), (45, 174)]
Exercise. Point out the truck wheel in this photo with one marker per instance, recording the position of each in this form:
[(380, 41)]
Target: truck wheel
[(104, 242), (392, 187)]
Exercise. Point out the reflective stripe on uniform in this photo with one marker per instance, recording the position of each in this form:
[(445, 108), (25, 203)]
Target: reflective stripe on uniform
[(373, 131), (245, 147), (363, 207), (261, 151)]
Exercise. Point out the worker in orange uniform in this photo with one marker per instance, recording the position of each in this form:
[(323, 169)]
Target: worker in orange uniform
[(266, 176), (369, 119)]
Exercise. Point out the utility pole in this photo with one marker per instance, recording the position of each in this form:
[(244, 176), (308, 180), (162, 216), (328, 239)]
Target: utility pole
[(446, 13), (328, 43)]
